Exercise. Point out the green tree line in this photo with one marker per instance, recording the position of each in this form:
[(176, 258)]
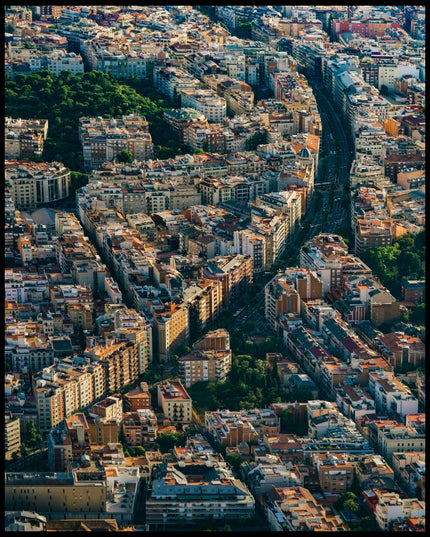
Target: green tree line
[(403, 260), (252, 383), (63, 99)]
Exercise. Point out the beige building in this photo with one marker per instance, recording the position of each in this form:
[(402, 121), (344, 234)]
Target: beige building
[(66, 494), (296, 509), (171, 328), (24, 138), (209, 360), (391, 508), (64, 388), (109, 408), (12, 435), (33, 184), (175, 402), (334, 471), (103, 139), (233, 271)]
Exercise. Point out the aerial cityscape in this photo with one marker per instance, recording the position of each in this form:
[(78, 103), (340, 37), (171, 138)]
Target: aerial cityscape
[(214, 259)]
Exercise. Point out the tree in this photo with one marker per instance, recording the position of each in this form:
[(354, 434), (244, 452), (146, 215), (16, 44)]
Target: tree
[(417, 316), (234, 460), (124, 157), (139, 451), (244, 30), (167, 441), (351, 506), (31, 433), (348, 501)]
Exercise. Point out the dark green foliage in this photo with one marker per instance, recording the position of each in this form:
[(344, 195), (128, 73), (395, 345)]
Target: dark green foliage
[(31, 433), (254, 141), (418, 315), (63, 99), (243, 30), (251, 384), (234, 460), (291, 424), (166, 442), (124, 157), (401, 261), (348, 501)]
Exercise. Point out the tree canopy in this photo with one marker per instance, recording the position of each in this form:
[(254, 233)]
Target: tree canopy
[(401, 261), (63, 99)]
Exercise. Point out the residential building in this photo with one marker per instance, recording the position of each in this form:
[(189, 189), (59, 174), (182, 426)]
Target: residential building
[(12, 435), (220, 496), (24, 138), (296, 509), (210, 359), (175, 402), (103, 139), (53, 495), (233, 271), (33, 184), (171, 328), (109, 408), (138, 398), (335, 472), (230, 428)]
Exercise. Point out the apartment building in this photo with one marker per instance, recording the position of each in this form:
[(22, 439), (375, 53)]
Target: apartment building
[(413, 290), (179, 119), (390, 508), (354, 402), (103, 139), (119, 359), (233, 271), (296, 509), (204, 300), (65, 388), (12, 435), (33, 184), (394, 438), (59, 449), (195, 491), (213, 107), (172, 80), (171, 328), (230, 428), (372, 232), (371, 466), (102, 431), (268, 471), (140, 427), (24, 138), (210, 359), (120, 58), (138, 398), (253, 244), (391, 395), (335, 472), (56, 495), (109, 408), (400, 349), (175, 402), (280, 297), (322, 255)]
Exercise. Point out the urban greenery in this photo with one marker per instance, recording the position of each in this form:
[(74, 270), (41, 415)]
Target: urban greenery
[(63, 99), (404, 260)]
